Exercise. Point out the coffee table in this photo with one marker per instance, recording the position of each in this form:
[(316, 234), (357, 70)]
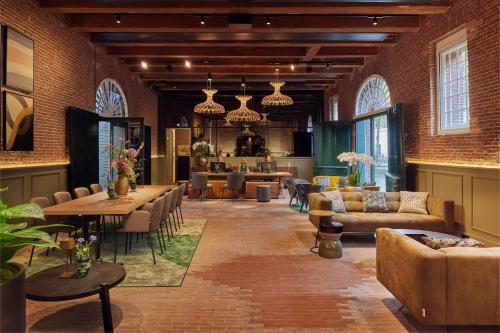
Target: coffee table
[(46, 286)]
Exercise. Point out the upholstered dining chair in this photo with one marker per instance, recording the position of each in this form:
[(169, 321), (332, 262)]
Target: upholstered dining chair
[(199, 182), (303, 191), (173, 205), (180, 199), (165, 216), (142, 221), (44, 202), (81, 192), (292, 190), (234, 184), (95, 188)]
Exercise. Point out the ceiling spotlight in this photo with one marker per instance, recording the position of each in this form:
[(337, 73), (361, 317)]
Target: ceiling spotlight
[(118, 19), (209, 76), (292, 67), (375, 21), (202, 21), (144, 64), (187, 63), (268, 21), (243, 81), (327, 66)]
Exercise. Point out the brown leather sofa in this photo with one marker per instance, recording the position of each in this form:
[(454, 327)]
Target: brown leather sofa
[(440, 218), (451, 286)]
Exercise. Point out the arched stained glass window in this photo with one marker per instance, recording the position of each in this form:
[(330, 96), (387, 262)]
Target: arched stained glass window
[(373, 95), (110, 100)]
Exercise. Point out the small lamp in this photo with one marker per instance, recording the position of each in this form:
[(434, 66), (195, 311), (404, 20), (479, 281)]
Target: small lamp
[(67, 244)]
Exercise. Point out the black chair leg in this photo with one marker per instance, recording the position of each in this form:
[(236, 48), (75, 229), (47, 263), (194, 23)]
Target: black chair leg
[(178, 219), (150, 241), (182, 217), (131, 237), (171, 229), (163, 237), (31, 255), (173, 218), (116, 247), (301, 206), (159, 240)]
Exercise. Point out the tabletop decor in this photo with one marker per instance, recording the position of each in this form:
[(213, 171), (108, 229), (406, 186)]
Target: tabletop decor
[(202, 150), (132, 178), (123, 163), (82, 255), (67, 244), (355, 161), (14, 235)]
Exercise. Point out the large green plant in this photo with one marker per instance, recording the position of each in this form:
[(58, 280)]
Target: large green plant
[(14, 236)]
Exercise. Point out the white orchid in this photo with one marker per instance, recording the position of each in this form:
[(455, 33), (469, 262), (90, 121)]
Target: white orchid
[(354, 160)]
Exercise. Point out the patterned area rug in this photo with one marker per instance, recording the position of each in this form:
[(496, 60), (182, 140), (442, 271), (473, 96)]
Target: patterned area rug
[(170, 268), (296, 207)]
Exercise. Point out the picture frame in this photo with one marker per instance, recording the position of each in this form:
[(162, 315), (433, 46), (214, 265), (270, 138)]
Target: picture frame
[(18, 121), (18, 60)]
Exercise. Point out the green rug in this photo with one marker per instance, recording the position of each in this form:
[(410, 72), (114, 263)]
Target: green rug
[(296, 207), (170, 268)]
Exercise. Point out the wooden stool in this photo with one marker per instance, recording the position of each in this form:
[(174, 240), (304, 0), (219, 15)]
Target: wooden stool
[(318, 216)]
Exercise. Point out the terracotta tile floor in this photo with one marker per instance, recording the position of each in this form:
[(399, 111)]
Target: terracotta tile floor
[(252, 272)]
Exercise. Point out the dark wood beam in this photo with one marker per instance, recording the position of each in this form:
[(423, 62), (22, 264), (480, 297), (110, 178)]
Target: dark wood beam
[(207, 63), (269, 70), (311, 53), (236, 77), (282, 24), (243, 7)]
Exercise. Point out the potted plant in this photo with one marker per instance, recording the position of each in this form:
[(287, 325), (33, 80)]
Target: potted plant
[(202, 150), (355, 161), (14, 235), (82, 255)]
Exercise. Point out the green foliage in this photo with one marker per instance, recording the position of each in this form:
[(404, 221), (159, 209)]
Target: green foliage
[(16, 234)]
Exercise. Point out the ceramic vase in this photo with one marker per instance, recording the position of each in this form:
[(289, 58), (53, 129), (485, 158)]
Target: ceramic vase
[(121, 186), (111, 193), (202, 161), (82, 266)]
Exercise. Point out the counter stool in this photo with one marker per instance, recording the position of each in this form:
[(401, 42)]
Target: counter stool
[(330, 246), (263, 193)]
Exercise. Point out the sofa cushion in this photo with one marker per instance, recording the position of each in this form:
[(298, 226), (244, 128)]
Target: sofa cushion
[(369, 222), (392, 199), (374, 202), (413, 202), (353, 201), (336, 198)]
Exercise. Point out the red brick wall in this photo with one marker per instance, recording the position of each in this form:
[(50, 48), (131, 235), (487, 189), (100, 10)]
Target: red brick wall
[(410, 68), (64, 76)]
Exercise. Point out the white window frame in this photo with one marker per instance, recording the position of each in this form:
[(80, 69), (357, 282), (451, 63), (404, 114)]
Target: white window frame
[(449, 43), (358, 115), (334, 108)]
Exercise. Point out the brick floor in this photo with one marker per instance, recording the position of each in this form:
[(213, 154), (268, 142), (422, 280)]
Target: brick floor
[(252, 272)]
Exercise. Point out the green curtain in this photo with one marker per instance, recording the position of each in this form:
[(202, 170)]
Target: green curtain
[(331, 139), (395, 178)]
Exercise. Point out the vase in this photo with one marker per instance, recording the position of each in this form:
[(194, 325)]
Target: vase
[(121, 186), (202, 161), (353, 179), (111, 193), (82, 266), (133, 185)]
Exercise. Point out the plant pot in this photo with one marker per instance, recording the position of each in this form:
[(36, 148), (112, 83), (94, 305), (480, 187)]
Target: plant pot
[(13, 301), (111, 193), (82, 266), (133, 185), (353, 179), (202, 161), (121, 186)]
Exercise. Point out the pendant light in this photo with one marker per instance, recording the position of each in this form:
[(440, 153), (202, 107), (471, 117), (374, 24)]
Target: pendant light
[(265, 121), (209, 107), (243, 114), (277, 98)]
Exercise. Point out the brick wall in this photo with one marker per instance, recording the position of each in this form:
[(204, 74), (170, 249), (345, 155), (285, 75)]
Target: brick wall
[(64, 68), (410, 69)]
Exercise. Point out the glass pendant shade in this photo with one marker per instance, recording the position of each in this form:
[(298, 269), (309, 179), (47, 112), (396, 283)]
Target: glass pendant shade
[(277, 98), (243, 113), (209, 107), (246, 131)]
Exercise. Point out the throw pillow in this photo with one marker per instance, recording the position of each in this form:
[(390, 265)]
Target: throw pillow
[(374, 202), (324, 181), (413, 202), (336, 198), (440, 243)]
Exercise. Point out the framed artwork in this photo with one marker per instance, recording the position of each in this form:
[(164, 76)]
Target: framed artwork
[(18, 58), (18, 122)]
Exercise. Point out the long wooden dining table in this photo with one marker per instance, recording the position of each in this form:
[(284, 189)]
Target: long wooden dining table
[(99, 205)]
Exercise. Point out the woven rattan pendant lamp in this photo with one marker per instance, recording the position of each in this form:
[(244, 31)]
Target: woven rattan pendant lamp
[(243, 114), (277, 98), (209, 106)]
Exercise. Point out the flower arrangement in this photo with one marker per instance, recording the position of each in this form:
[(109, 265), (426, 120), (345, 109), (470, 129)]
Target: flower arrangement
[(202, 149), (82, 254), (121, 159), (355, 160)]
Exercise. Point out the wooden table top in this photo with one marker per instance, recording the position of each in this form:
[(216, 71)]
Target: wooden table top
[(47, 286), (99, 204), (250, 174)]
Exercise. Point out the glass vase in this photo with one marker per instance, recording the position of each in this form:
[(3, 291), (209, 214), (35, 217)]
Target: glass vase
[(133, 185), (82, 266), (353, 179), (111, 193)]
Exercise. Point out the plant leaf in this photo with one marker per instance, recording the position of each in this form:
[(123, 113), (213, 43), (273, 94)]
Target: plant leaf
[(29, 210)]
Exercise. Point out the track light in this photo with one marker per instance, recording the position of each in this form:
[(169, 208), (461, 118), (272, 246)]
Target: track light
[(209, 76), (243, 81), (144, 64), (268, 21), (375, 21), (118, 19), (187, 63), (292, 67), (202, 21)]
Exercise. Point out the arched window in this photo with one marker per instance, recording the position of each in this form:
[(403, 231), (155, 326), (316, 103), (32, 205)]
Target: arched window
[(110, 100), (373, 95)]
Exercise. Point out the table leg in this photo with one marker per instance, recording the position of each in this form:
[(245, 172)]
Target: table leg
[(107, 318), (98, 242)]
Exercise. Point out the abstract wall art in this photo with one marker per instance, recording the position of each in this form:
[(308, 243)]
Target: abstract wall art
[(19, 51), (18, 124)]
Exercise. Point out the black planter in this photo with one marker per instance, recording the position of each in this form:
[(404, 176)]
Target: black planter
[(13, 302)]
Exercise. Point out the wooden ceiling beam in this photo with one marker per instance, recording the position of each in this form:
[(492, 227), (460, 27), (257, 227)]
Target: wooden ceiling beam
[(311, 53), (281, 24), (182, 70), (244, 7), (207, 63)]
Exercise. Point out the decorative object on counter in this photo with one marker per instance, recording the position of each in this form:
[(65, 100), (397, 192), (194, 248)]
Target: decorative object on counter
[(355, 161), (121, 186), (209, 106), (277, 98), (243, 166), (82, 255), (133, 185), (14, 235), (67, 244), (202, 150), (220, 156)]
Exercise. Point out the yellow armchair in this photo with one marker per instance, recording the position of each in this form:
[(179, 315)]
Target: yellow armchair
[(329, 182)]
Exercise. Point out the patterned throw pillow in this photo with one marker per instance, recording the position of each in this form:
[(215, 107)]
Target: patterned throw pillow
[(374, 202), (323, 181), (336, 198), (413, 202), (440, 243)]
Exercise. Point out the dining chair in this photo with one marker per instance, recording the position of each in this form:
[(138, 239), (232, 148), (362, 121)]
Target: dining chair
[(234, 184), (44, 202), (180, 199), (292, 188), (165, 218), (303, 191), (95, 188), (81, 192), (199, 182), (142, 221), (173, 205)]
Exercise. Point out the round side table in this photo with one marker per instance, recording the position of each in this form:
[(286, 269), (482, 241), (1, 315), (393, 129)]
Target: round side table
[(329, 245)]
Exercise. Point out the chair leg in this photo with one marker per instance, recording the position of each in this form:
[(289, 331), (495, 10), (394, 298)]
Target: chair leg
[(116, 246), (150, 241), (173, 218), (137, 238), (182, 217), (178, 219), (291, 198), (31, 255), (170, 224), (301, 206), (159, 240), (130, 242), (163, 237)]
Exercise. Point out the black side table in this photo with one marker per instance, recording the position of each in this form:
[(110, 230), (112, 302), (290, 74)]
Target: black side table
[(46, 286)]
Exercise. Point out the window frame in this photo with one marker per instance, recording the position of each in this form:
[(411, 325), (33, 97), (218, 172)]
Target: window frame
[(448, 43), (334, 100)]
